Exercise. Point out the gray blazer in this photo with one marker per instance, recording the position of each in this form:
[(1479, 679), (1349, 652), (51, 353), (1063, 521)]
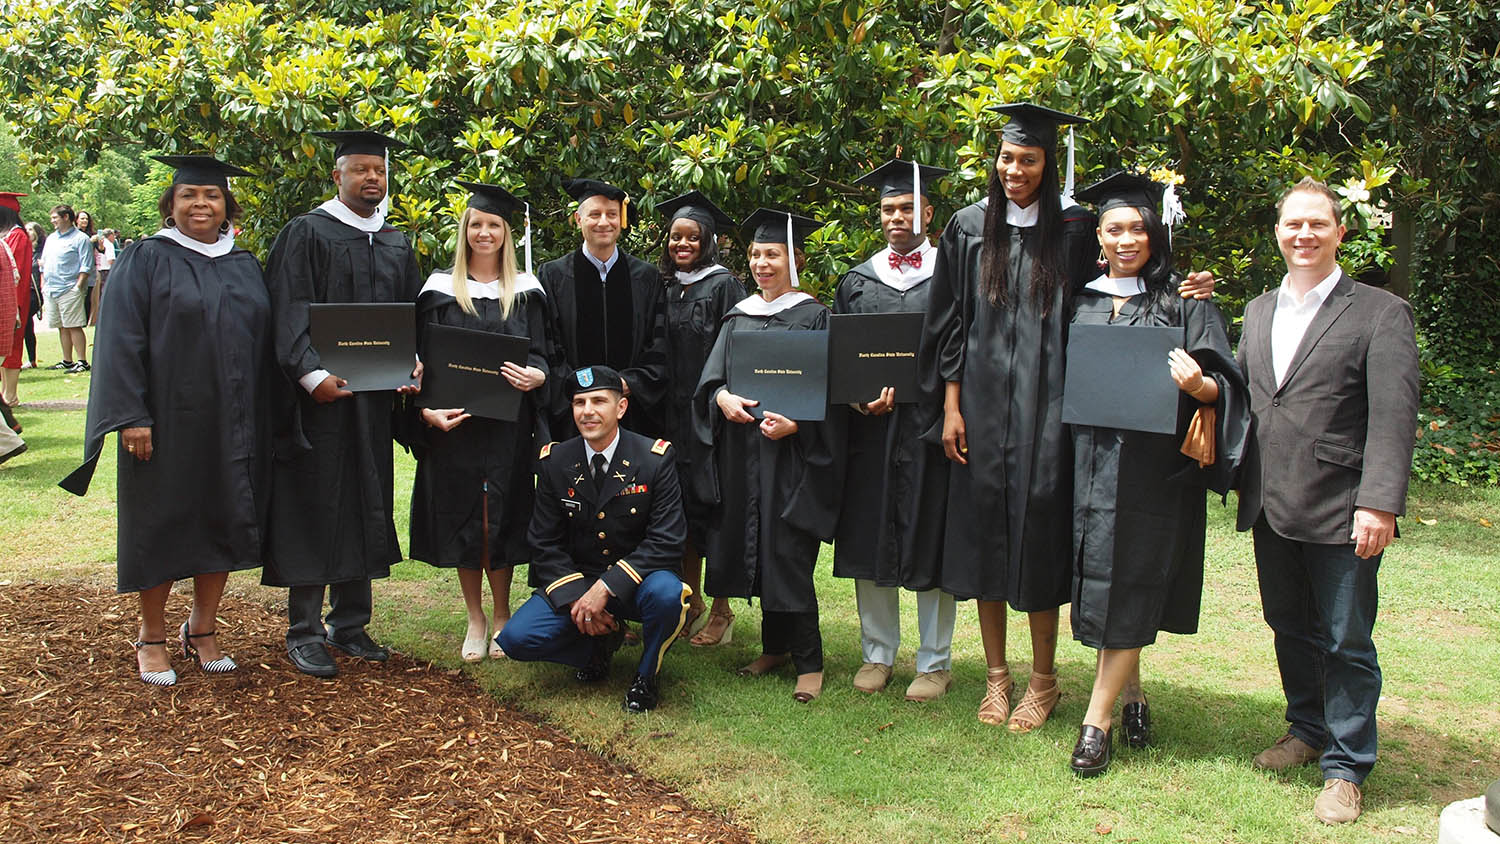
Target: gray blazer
[(1338, 433)]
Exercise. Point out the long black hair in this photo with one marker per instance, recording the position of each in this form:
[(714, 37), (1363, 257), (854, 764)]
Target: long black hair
[(708, 249), (1048, 274), (9, 219), (1157, 276)]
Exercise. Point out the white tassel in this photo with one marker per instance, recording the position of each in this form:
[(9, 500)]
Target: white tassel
[(1067, 194), (791, 252), (1172, 211), (526, 241), (916, 200), (384, 208)]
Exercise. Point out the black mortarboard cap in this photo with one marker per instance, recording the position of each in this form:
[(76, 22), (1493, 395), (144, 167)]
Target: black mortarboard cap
[(694, 206), (492, 199), (581, 189), (200, 170), (1033, 125), (767, 226), (360, 142), (894, 177), (591, 378), (1123, 189)]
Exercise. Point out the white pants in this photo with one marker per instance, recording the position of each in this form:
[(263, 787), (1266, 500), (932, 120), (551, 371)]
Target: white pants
[(880, 625)]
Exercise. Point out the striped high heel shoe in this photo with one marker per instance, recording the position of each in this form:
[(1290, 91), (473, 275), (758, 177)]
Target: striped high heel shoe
[(222, 665), (156, 678)]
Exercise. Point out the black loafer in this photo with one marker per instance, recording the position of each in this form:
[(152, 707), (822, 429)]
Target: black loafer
[(642, 696), (1091, 754), (597, 669), (362, 646), (313, 659), (1136, 719)]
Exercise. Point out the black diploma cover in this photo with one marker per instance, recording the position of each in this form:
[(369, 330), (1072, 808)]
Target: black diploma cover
[(867, 352), (372, 345), (461, 368), (1118, 376), (786, 371)]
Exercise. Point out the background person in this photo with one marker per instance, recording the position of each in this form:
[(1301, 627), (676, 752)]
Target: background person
[(187, 308), (38, 242), (67, 265), (17, 244), (472, 497)]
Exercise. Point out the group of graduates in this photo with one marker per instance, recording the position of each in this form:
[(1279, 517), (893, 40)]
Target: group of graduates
[(632, 461)]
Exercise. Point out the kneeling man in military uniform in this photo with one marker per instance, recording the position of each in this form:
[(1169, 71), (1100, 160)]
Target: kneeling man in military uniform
[(606, 539)]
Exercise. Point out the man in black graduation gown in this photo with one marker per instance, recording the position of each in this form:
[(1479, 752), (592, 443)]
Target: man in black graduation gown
[(331, 522), (607, 535), (890, 530), (609, 307)]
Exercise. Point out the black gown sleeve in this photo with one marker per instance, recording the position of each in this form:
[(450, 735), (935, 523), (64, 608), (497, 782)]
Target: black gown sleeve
[(119, 391), (1208, 343), (813, 506), (290, 270)]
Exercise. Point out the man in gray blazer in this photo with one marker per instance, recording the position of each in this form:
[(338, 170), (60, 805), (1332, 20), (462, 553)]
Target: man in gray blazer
[(1332, 368)]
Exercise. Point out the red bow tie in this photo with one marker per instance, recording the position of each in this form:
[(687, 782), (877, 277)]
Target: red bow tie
[(914, 258)]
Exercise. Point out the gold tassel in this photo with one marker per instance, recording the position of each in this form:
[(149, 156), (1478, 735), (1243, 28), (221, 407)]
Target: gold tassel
[(1199, 442)]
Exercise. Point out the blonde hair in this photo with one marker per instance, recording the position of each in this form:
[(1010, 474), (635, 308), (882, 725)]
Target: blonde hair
[(461, 267)]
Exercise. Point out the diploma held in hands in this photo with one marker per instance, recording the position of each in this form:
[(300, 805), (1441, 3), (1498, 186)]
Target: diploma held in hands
[(461, 369), (868, 352), (1117, 377), (786, 371), (373, 346)]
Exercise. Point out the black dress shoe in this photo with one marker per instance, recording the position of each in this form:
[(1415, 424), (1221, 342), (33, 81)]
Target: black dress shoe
[(360, 645), (642, 696), (1091, 754), (597, 668), (1136, 719), (312, 658)]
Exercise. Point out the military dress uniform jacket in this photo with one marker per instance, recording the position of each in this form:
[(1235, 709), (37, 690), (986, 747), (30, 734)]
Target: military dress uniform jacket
[(623, 533)]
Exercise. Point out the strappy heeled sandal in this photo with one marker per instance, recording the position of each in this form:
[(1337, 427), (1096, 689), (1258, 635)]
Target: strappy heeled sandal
[(222, 665), (995, 707), (1035, 706), (718, 631), (156, 678)]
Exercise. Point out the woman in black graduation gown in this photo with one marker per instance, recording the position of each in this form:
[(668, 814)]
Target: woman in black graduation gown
[(185, 373), (699, 293), (776, 479), (472, 497), (1138, 500)]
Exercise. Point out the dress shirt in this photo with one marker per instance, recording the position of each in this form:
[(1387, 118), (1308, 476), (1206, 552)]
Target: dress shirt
[(602, 266), (608, 452), (907, 276), (65, 256), (1291, 319)]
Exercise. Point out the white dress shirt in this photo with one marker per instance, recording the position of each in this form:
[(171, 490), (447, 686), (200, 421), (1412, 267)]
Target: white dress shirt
[(603, 266), (908, 276), (608, 452), (1291, 319)]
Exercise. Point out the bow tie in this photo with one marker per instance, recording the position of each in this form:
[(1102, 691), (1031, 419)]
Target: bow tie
[(914, 258)]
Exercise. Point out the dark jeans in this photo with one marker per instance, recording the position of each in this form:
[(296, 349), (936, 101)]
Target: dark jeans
[(349, 605), (1320, 601), (794, 633), (538, 633)]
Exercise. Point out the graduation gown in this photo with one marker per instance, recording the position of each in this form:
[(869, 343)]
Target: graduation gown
[(588, 318), (453, 467), (778, 499), (1139, 503), (332, 501), (1008, 535), (891, 520), (695, 313), (186, 351)]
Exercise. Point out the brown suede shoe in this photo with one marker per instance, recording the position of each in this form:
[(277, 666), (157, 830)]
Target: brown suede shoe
[(1339, 802), (929, 686), (872, 677), (1288, 752)]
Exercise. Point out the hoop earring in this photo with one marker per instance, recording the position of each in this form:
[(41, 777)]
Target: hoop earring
[(170, 223), (224, 227)]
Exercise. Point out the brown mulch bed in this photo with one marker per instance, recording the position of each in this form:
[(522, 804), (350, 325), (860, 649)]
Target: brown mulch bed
[(398, 752)]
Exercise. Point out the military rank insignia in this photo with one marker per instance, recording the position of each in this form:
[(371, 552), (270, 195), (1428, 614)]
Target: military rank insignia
[(660, 447)]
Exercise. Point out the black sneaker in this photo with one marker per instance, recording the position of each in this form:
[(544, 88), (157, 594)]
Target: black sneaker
[(62, 364), (81, 366)]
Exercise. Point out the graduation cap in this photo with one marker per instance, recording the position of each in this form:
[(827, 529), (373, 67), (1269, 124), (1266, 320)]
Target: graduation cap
[(493, 199), (1124, 189), (11, 200), (694, 206), (1032, 125), (897, 178), (767, 226), (200, 170), (581, 189), (360, 142)]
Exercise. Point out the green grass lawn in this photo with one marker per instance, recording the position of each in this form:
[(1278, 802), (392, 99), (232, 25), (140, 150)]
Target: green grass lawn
[(852, 767)]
